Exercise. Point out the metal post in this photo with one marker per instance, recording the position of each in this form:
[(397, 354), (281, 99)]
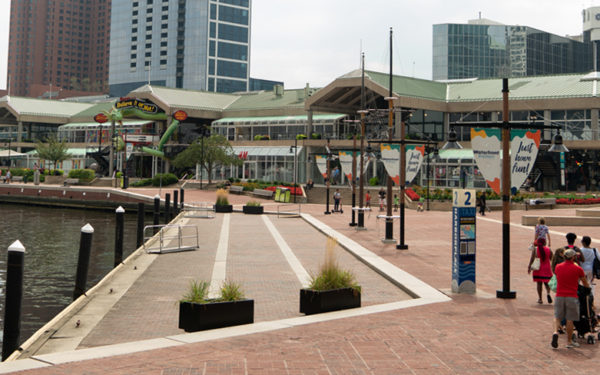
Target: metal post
[(389, 222), (402, 245), (327, 212), (295, 166), (428, 171), (111, 165), (140, 224), (120, 222), (83, 261), (353, 222), (175, 202), (361, 190), (13, 298), (156, 213), (181, 198), (167, 208), (505, 292)]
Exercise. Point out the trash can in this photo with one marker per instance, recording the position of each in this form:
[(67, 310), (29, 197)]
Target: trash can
[(284, 196), (36, 177), (125, 182)]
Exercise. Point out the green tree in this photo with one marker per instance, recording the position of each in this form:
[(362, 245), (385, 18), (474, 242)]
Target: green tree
[(52, 150), (209, 152)]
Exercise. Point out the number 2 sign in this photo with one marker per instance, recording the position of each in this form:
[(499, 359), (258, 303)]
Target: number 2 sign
[(463, 198)]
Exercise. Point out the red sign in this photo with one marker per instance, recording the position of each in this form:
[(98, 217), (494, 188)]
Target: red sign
[(243, 155), (100, 118), (180, 116)]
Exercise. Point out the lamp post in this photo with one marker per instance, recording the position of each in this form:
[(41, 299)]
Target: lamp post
[(361, 190), (328, 161), (353, 222), (389, 221), (435, 152), (295, 147)]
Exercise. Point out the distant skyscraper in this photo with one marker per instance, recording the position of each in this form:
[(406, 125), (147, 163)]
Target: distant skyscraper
[(486, 49), (58, 46), (190, 44)]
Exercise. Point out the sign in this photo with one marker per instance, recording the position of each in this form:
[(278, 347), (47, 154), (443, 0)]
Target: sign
[(414, 159), (463, 240), (390, 156), (140, 138), (138, 104), (321, 161), (180, 115), (100, 118), (487, 152)]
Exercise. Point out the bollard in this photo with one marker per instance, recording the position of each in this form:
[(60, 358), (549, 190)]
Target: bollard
[(83, 262), (120, 223), (14, 296), (175, 203), (167, 208), (156, 212), (181, 198), (140, 224)]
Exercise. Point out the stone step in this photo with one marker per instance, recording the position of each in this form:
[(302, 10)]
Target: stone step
[(587, 212), (557, 221)]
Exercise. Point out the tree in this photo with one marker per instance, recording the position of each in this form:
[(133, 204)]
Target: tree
[(209, 152), (52, 150)]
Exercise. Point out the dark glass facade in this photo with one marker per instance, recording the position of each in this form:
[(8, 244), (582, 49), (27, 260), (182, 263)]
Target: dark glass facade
[(493, 51)]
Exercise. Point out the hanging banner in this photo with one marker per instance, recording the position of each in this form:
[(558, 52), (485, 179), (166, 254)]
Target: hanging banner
[(390, 156), (524, 146), (414, 158), (346, 163), (487, 153), (321, 161)]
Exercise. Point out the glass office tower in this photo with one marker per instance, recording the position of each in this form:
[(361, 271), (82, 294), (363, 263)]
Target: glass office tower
[(189, 44), (494, 51)]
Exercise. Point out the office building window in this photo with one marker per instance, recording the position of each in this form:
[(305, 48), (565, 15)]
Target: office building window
[(232, 69), (233, 51), (228, 85), (234, 33), (233, 15)]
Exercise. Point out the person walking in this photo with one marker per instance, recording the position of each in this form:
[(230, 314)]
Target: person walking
[(396, 202), (571, 237), (367, 199), (337, 196), (589, 254), (381, 199), (566, 306), (541, 231), (544, 273), (482, 203)]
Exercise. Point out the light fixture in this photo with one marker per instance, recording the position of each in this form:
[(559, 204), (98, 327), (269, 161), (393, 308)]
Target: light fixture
[(557, 144), (452, 141)]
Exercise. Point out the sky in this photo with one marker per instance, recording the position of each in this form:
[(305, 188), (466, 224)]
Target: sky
[(316, 41)]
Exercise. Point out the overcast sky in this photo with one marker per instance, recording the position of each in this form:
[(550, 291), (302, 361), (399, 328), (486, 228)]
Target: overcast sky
[(315, 41)]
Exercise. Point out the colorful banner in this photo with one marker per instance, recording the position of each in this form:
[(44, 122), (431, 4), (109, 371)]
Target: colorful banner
[(414, 159), (346, 163), (321, 161), (487, 146)]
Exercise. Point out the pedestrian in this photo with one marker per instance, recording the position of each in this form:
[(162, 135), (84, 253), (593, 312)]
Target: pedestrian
[(337, 196), (368, 199), (482, 203), (571, 237), (589, 254), (396, 202), (566, 306), (381, 199), (541, 231), (544, 273), (8, 176)]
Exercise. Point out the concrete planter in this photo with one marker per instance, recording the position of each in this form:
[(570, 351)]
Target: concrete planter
[(55, 180)]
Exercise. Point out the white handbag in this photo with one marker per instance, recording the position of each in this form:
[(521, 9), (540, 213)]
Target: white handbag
[(535, 266)]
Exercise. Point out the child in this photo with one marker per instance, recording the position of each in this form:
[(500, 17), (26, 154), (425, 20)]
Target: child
[(396, 202), (368, 199)]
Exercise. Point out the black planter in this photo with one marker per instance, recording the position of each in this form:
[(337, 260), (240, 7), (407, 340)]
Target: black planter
[(319, 301), (224, 208), (253, 210), (202, 316)]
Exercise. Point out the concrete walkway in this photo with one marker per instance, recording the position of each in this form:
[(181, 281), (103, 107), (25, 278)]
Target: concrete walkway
[(470, 334)]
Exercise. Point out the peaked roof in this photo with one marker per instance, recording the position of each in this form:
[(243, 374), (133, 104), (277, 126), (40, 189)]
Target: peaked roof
[(170, 99), (52, 111)]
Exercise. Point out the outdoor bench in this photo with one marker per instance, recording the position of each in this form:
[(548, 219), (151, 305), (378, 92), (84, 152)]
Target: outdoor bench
[(540, 202), (263, 193), (238, 189)]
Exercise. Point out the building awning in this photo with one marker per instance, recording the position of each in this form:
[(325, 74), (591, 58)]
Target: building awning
[(11, 153), (277, 119), (74, 152), (265, 151), (94, 125)]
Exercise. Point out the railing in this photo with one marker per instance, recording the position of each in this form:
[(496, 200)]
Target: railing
[(170, 238), (289, 210), (201, 210)]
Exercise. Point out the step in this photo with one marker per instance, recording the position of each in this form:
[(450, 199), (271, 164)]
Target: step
[(557, 221), (587, 212)]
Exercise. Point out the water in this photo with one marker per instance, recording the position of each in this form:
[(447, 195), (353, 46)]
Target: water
[(51, 240)]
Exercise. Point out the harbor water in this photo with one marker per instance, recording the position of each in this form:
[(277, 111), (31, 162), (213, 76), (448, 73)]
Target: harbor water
[(51, 239)]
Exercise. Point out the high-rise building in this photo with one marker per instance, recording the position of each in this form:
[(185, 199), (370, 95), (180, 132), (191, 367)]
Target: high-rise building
[(487, 49), (190, 44), (56, 47)]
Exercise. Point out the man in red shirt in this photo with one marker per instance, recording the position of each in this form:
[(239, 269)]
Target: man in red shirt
[(568, 274)]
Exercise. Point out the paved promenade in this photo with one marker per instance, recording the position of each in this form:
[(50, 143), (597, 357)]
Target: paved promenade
[(468, 334)]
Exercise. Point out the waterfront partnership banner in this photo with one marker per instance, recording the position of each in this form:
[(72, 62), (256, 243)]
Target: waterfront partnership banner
[(487, 152)]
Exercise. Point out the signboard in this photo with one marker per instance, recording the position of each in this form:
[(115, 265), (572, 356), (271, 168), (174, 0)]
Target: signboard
[(141, 138), (100, 118), (180, 116), (138, 104), (463, 240), (321, 161), (390, 156)]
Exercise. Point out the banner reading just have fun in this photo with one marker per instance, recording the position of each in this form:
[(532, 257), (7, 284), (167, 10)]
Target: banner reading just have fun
[(390, 156), (487, 153)]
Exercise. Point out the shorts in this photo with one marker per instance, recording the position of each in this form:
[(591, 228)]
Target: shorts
[(566, 308)]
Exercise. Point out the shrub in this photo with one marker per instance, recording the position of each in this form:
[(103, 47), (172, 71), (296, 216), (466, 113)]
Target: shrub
[(253, 204), (144, 182), (197, 292), (231, 291), (82, 174), (315, 135), (374, 181), (330, 275), (300, 136), (222, 199), (167, 179)]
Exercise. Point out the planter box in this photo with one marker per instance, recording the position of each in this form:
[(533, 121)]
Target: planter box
[(55, 180), (315, 301), (253, 210), (202, 316), (224, 208)]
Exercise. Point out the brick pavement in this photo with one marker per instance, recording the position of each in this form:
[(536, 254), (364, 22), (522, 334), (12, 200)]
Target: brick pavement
[(471, 334)]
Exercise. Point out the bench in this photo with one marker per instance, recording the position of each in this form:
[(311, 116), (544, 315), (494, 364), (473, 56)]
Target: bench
[(12, 179), (263, 193), (238, 189), (71, 181), (540, 202)]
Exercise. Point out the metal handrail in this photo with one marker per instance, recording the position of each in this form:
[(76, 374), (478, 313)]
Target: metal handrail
[(164, 238), (289, 210)]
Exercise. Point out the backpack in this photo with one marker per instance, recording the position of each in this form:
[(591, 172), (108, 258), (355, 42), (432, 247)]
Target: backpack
[(596, 269)]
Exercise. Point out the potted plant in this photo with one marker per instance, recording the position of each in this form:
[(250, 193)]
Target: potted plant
[(253, 208), (332, 288), (197, 312), (222, 204)]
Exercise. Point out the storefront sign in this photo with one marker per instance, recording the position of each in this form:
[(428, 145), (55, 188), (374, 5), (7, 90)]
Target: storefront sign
[(139, 104)]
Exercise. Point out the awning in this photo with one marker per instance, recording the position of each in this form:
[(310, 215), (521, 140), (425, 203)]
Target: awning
[(277, 119), (94, 125), (13, 154), (74, 152), (266, 151)]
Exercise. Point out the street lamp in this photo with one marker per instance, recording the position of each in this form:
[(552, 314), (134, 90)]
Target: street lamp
[(328, 160), (295, 147), (435, 154), (353, 222)]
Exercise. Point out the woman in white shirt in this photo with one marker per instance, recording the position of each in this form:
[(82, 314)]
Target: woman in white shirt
[(588, 255)]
